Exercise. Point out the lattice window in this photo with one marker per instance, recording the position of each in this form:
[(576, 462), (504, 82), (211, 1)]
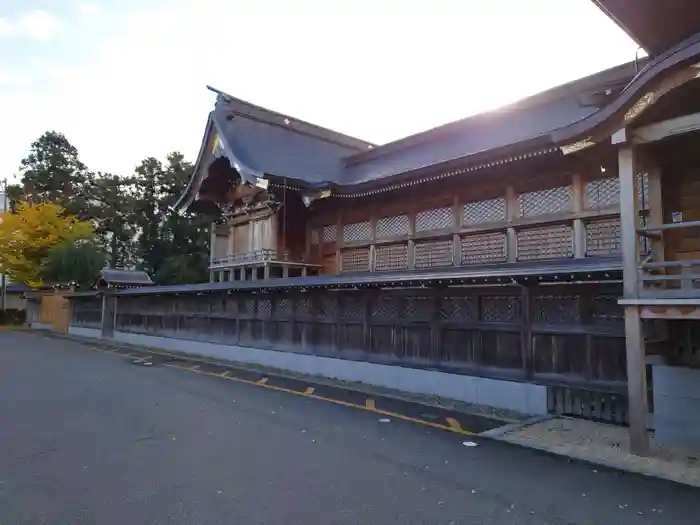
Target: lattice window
[(433, 254), (419, 308), (355, 260), (437, 219), (352, 308), (458, 309), (265, 307), (394, 257), (330, 234), (549, 242), (643, 190), (327, 306), (315, 236), (392, 226), (283, 306), (491, 210), (557, 309), (357, 231), (603, 237), (385, 307), (302, 306), (553, 200), (500, 308), (602, 193), (483, 248), (247, 306)]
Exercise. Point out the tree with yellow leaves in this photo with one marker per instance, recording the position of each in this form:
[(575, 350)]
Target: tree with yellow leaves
[(28, 236)]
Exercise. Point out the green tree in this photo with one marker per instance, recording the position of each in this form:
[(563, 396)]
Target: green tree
[(74, 261), (53, 172)]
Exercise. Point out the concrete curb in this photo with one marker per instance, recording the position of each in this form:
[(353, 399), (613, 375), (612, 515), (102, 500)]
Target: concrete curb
[(497, 432)]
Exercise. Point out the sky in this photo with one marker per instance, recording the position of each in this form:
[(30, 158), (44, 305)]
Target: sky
[(126, 79)]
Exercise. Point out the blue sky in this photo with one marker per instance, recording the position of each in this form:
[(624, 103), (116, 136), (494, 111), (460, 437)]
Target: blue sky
[(126, 79)]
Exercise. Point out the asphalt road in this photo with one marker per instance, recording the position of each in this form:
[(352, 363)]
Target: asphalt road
[(88, 437)]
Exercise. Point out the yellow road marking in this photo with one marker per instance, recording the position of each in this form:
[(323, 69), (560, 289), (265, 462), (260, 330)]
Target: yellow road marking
[(224, 374), (309, 391), (262, 381), (454, 424), (370, 404), (331, 400)]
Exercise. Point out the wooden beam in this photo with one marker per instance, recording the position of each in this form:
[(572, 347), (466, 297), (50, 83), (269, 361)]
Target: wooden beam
[(578, 187), (667, 128)]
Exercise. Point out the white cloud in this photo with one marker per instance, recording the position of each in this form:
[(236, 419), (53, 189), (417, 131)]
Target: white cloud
[(37, 24), (10, 78), (88, 12)]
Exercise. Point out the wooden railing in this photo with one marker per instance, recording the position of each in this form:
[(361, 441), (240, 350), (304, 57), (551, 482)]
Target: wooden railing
[(668, 279), (265, 255)]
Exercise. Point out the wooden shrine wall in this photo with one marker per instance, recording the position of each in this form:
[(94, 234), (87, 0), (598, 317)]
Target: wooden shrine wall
[(560, 335), (542, 218)]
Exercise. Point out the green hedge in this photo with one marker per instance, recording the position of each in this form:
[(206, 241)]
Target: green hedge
[(12, 317)]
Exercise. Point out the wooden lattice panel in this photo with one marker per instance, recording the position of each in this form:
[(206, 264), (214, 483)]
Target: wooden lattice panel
[(603, 193), (433, 254), (392, 226), (355, 260), (357, 231), (500, 308), (315, 236), (541, 202), (392, 257), (458, 309), (643, 190), (556, 309), (491, 210), (437, 219), (483, 248), (330, 234), (549, 242), (603, 237)]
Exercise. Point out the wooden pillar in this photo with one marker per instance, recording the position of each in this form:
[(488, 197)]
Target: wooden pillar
[(656, 212), (636, 358), (578, 190)]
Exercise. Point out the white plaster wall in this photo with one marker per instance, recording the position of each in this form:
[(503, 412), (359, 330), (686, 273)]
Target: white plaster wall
[(522, 397), (85, 332), (676, 416)]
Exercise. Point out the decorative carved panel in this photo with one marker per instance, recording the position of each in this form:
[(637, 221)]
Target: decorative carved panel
[(603, 237), (315, 236), (437, 219), (431, 254), (355, 260), (419, 308), (391, 257), (602, 193), (483, 248), (541, 202), (549, 242), (491, 210), (357, 231), (392, 226), (500, 308), (556, 309)]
